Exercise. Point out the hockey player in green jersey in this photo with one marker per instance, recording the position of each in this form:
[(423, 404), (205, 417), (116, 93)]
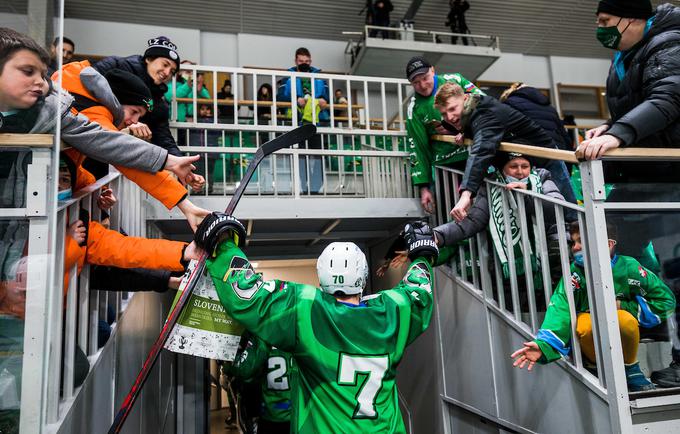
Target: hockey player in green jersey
[(642, 300), (346, 348), (273, 369), (424, 120)]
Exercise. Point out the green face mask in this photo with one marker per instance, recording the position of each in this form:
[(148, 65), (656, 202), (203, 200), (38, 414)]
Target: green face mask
[(610, 37)]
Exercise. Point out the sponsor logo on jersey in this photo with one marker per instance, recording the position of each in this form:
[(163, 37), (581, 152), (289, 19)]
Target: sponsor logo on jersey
[(469, 87), (575, 281), (634, 282), (642, 271)]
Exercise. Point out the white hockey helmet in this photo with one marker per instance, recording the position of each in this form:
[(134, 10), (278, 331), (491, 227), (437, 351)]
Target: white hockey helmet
[(342, 267)]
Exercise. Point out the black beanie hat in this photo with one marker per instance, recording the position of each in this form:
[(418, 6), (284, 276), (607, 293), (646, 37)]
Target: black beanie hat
[(641, 9), (129, 89), (502, 158), (162, 47)]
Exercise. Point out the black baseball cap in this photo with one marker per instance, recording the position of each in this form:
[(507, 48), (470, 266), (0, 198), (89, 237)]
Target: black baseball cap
[(416, 66)]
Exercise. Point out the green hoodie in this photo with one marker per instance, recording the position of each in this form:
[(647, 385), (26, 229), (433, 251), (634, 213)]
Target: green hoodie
[(422, 122), (641, 293)]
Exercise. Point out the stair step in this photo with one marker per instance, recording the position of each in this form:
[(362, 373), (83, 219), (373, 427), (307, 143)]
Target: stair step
[(655, 400)]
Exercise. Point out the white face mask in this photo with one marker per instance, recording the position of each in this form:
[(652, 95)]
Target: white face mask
[(510, 179)]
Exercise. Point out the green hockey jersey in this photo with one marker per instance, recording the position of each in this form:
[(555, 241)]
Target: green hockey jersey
[(346, 355), (273, 369), (422, 121), (641, 293)]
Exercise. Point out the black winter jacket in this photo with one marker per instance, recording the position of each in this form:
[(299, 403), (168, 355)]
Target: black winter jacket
[(157, 120), (491, 123), (536, 106), (645, 104)]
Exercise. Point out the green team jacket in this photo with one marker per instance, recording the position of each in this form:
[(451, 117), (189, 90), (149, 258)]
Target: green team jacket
[(422, 122), (273, 369), (346, 355), (641, 292)]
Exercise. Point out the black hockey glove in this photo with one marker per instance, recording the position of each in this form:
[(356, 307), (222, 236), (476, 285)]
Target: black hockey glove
[(420, 240), (213, 228)]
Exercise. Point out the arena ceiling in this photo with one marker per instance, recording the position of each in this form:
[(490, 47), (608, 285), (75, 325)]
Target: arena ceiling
[(532, 27)]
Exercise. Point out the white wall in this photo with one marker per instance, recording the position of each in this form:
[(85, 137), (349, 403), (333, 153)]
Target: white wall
[(574, 70), (532, 70), (15, 22), (123, 39), (279, 52), (219, 49)]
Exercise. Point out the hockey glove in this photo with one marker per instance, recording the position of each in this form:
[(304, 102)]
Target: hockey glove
[(420, 241), (215, 227)]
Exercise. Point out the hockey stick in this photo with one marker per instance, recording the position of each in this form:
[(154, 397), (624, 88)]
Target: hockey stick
[(284, 141)]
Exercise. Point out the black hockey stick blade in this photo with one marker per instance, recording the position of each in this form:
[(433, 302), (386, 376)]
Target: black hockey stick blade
[(286, 140)]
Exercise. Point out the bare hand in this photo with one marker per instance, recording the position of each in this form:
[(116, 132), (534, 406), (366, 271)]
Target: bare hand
[(181, 166), (196, 181), (596, 132), (106, 199), (460, 211), (380, 272), (322, 103), (593, 149), (529, 354), (173, 282), (427, 200), (77, 231), (459, 138), (400, 259), (514, 185), (193, 213), (192, 252), (301, 102), (141, 131)]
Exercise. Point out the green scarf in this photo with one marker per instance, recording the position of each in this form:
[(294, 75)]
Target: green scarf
[(497, 225)]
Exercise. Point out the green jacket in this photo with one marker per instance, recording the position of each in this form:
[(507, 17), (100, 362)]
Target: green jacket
[(641, 292), (185, 109), (422, 122), (273, 369)]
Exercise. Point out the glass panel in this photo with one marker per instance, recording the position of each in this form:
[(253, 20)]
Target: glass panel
[(581, 102)]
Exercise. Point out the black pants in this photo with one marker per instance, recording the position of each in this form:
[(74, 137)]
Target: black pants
[(269, 427)]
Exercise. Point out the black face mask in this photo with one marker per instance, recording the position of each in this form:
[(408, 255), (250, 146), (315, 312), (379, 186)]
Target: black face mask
[(304, 67)]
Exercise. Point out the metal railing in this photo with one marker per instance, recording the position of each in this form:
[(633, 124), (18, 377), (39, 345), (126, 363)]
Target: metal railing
[(365, 110), (58, 320), (432, 36), (522, 300)]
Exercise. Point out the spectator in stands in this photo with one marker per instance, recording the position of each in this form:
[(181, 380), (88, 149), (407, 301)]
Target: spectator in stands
[(35, 108), (642, 300), (423, 121), (381, 17), (311, 107), (339, 98), (226, 110), (455, 20), (489, 122), (185, 89), (643, 87), (264, 112), (533, 104), (133, 96), (66, 54), (155, 67)]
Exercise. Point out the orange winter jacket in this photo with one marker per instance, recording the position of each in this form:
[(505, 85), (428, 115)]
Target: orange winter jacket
[(108, 247), (162, 185)]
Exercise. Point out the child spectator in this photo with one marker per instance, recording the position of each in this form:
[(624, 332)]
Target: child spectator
[(135, 99), (155, 67), (642, 300), (30, 105)]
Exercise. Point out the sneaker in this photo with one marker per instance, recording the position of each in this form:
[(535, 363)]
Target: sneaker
[(637, 382), (668, 377)]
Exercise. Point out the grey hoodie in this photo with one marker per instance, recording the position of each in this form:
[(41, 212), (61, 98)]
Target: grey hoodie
[(94, 141)]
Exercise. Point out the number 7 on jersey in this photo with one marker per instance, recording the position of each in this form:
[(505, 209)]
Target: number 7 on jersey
[(372, 366)]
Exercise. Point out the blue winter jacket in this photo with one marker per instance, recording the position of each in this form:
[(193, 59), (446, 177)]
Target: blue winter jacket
[(533, 104), (320, 91)]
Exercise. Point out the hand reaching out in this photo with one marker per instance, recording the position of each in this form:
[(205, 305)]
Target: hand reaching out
[(196, 181), (514, 185), (529, 354), (140, 130), (193, 213), (459, 212), (106, 199), (78, 232)]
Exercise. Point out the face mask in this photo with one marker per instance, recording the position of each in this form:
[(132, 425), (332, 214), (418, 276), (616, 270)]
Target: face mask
[(64, 194), (304, 67), (610, 37), (510, 179), (578, 258)]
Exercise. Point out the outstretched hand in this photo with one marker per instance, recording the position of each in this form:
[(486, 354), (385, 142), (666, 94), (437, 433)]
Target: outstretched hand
[(529, 354), (181, 166), (193, 213)]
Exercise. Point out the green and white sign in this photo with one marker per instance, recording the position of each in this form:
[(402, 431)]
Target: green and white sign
[(204, 329)]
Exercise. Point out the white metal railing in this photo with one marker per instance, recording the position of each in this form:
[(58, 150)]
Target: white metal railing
[(476, 265), (427, 35), (365, 112), (57, 320), (301, 172)]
